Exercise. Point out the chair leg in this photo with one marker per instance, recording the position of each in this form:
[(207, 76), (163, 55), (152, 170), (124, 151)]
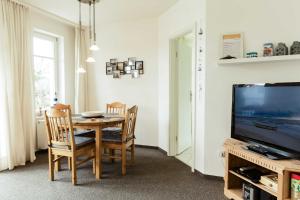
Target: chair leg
[(124, 159), (94, 166), (51, 165), (74, 171), (57, 164), (70, 163), (132, 153), (112, 153)]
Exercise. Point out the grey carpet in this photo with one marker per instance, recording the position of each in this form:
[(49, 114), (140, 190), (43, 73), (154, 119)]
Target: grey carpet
[(153, 177)]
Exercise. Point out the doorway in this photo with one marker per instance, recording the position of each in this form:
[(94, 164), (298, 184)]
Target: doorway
[(181, 111)]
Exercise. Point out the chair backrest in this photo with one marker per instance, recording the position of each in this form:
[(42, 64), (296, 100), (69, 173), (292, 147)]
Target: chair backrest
[(116, 108), (59, 127), (129, 127), (60, 106)]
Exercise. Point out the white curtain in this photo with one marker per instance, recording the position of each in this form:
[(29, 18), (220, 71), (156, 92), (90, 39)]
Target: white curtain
[(17, 125), (81, 90)]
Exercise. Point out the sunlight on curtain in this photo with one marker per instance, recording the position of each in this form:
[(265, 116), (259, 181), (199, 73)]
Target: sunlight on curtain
[(17, 126), (81, 79)]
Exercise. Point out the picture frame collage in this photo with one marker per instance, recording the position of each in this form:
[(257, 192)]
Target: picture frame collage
[(130, 67)]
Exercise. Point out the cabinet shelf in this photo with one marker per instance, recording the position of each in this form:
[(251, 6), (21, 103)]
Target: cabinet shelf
[(237, 156), (259, 60), (259, 185)]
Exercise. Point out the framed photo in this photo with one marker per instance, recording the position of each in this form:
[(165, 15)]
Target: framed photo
[(113, 61), (135, 74), (139, 65), (116, 74), (114, 67), (132, 67), (108, 64), (127, 70), (233, 45), (109, 71), (120, 66), (141, 71), (125, 63), (131, 61)]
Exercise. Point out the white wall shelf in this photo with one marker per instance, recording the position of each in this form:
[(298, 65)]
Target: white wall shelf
[(259, 60)]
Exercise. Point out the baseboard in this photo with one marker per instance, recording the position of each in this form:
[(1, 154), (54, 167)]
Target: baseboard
[(151, 147), (146, 146), (209, 177)]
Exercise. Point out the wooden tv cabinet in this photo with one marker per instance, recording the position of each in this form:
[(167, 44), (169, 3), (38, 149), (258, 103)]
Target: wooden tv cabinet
[(236, 156)]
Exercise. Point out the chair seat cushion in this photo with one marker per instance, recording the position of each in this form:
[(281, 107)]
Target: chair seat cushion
[(84, 133), (114, 129), (79, 142), (112, 136), (83, 141)]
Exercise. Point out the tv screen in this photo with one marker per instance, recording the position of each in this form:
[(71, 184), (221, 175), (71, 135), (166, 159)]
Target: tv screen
[(268, 114)]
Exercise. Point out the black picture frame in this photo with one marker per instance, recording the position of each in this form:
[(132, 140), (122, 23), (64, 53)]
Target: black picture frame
[(139, 65)]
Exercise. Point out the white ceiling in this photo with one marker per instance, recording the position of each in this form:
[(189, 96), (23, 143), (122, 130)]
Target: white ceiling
[(107, 10)]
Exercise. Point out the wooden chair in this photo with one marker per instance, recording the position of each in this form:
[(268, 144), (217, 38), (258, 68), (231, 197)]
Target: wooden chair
[(116, 108), (122, 140), (62, 142), (77, 132)]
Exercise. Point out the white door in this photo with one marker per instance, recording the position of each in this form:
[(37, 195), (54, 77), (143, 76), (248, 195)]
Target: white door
[(184, 91)]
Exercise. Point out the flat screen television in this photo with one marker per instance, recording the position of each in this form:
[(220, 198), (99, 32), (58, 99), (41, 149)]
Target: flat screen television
[(267, 114)]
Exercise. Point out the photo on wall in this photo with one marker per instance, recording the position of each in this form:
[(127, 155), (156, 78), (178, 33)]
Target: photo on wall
[(131, 61), (113, 61), (116, 74), (139, 65), (135, 74), (120, 67), (109, 71), (127, 70)]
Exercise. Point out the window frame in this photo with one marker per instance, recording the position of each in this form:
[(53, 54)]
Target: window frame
[(55, 58)]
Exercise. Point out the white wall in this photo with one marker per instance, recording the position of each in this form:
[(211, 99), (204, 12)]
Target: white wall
[(261, 21), (122, 40), (178, 20), (67, 33)]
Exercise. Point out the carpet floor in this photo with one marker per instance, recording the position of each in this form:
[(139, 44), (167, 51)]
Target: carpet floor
[(153, 177)]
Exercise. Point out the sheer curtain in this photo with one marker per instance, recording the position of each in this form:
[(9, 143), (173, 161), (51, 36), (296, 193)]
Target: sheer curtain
[(81, 91), (17, 125)]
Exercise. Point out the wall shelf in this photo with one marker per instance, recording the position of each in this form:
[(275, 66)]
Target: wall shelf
[(259, 60)]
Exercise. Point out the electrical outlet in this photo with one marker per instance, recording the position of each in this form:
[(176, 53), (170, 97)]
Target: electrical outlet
[(222, 154)]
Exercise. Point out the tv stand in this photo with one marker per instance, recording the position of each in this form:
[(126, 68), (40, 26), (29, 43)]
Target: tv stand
[(236, 156), (266, 152)]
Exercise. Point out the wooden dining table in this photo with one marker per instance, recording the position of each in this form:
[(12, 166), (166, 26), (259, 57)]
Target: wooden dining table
[(98, 124)]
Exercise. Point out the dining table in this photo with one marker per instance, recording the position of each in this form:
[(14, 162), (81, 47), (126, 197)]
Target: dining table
[(97, 124)]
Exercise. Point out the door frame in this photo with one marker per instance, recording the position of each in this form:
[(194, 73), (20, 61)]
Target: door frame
[(173, 115)]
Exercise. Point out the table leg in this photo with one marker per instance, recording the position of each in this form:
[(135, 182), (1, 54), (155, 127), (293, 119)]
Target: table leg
[(98, 152)]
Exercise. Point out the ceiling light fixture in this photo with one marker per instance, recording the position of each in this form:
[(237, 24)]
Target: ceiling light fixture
[(90, 59), (94, 46), (81, 70)]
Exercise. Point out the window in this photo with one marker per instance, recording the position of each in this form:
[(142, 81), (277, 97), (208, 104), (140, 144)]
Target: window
[(45, 69)]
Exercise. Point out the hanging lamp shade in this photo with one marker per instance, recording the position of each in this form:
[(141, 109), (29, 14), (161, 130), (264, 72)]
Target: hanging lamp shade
[(81, 70), (94, 47), (90, 59)]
